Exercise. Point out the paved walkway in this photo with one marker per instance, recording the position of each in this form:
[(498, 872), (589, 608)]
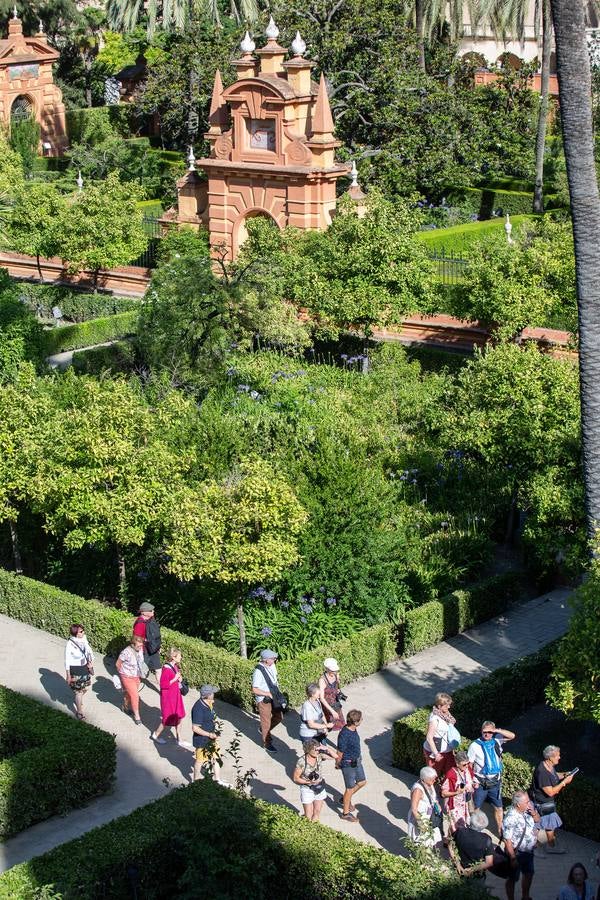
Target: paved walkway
[(31, 662)]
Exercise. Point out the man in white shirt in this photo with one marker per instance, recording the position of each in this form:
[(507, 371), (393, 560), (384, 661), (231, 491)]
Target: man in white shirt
[(486, 756), (263, 678), (521, 824)]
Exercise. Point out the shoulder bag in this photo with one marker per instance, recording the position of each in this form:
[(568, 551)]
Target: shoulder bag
[(277, 699)]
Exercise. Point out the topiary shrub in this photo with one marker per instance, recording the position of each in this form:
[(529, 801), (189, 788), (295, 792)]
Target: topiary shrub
[(94, 331), (209, 841), (51, 763)]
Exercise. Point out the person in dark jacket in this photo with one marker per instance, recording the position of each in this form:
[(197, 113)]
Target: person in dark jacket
[(147, 627)]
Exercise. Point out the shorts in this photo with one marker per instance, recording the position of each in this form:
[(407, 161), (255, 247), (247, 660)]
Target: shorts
[(492, 795), (202, 754), (307, 795), (353, 774), (525, 865)]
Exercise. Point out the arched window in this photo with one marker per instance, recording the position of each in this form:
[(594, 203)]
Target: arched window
[(21, 109)]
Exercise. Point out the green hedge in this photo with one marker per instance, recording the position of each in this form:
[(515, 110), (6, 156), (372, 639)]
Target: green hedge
[(150, 207), (502, 696), (361, 654), (108, 630), (204, 840), (50, 164), (117, 357), (94, 331), (60, 763), (459, 238), (483, 201), (76, 305), (434, 621)]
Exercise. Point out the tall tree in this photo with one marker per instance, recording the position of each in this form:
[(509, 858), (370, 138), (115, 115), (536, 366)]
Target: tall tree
[(575, 92), (33, 221), (241, 531)]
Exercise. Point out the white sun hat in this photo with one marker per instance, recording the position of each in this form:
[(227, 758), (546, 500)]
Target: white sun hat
[(331, 664)]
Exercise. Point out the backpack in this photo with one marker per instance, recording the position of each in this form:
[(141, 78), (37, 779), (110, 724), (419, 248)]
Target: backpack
[(153, 638), (489, 777)]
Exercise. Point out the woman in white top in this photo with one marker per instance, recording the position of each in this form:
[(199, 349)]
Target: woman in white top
[(79, 669), (442, 738), (130, 666), (313, 723), (424, 817)]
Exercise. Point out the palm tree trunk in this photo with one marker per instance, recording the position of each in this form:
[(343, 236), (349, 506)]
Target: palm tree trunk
[(242, 628), (540, 141), (574, 83), (419, 27)]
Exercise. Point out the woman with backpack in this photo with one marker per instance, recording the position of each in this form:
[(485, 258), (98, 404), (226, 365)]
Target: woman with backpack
[(172, 689), (146, 626), (79, 665)]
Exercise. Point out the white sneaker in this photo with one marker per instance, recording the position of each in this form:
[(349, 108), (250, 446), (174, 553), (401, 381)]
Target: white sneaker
[(157, 740), (185, 745)]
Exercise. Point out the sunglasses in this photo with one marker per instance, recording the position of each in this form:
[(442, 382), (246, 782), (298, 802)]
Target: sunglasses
[(487, 732)]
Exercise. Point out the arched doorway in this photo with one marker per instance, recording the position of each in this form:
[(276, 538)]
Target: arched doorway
[(240, 230)]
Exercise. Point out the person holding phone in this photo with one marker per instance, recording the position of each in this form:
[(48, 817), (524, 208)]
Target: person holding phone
[(547, 783), (457, 790), (520, 830), (308, 774)]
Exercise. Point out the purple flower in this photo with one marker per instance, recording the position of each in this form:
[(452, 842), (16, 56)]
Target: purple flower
[(303, 620), (322, 589), (231, 371), (343, 356), (143, 575), (243, 388), (266, 632), (306, 608), (255, 395), (331, 601), (269, 596), (285, 604)]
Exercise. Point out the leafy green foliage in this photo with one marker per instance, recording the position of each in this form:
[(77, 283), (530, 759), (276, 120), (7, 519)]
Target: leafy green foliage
[(276, 852), (575, 677), (460, 238), (33, 222), (362, 271), (11, 167), (101, 228), (49, 772), (290, 632), (518, 411), (25, 138), (531, 282), (21, 337), (118, 357)]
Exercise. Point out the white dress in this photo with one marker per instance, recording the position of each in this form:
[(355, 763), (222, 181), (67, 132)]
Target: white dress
[(424, 809)]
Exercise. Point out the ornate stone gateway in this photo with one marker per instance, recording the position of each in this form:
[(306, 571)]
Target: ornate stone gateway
[(272, 149), (27, 87)]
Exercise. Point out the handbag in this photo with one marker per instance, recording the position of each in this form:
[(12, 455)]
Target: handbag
[(278, 700), (184, 687), (502, 862), (453, 737), (436, 817), (546, 808)]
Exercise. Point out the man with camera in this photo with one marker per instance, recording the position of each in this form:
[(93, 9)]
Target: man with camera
[(309, 776), (350, 762), (270, 702)]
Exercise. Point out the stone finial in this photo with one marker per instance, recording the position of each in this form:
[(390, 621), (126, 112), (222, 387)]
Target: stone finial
[(247, 45), (508, 229), (40, 27), (322, 120), (191, 158), (298, 45), (272, 31), (15, 13), (354, 175), (79, 181)]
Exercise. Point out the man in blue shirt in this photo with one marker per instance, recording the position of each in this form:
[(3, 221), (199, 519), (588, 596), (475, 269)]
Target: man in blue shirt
[(206, 749), (350, 762)]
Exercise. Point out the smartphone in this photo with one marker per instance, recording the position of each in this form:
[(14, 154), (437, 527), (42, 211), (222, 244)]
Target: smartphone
[(573, 771)]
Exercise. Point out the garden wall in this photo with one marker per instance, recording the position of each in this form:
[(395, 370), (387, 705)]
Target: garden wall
[(502, 696), (49, 762), (205, 840)]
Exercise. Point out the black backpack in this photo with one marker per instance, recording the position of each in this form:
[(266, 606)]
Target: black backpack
[(153, 638)]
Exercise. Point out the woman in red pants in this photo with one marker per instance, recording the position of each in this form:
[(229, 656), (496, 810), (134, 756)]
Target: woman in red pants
[(130, 666)]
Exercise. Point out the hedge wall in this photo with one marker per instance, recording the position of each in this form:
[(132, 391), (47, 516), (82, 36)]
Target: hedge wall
[(205, 840), (459, 238), (121, 117), (94, 331), (47, 769), (434, 621), (502, 696)]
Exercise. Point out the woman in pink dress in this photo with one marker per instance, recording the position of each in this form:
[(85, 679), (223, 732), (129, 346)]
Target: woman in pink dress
[(172, 710)]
